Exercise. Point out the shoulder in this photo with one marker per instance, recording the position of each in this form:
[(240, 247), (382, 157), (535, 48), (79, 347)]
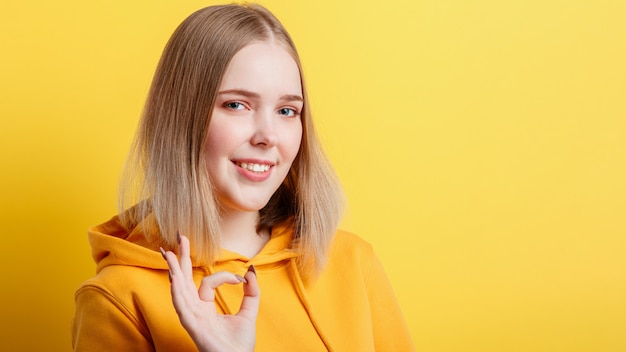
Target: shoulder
[(348, 240), (123, 276), (123, 285), (349, 249), (111, 297)]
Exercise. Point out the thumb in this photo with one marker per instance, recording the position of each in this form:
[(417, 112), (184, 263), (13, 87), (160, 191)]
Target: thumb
[(251, 296)]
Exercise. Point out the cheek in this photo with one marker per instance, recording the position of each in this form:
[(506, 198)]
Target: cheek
[(214, 144), (294, 142)]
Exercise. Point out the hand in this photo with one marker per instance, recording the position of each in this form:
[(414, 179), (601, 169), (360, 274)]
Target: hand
[(196, 310)]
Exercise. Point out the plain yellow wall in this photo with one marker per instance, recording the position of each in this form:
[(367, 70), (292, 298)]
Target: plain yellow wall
[(482, 146)]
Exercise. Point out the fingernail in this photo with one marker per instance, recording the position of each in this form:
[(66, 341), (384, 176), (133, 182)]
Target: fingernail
[(241, 278), (251, 268), (178, 237), (162, 252)]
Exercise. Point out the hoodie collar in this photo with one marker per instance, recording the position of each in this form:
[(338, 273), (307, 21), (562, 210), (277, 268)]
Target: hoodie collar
[(113, 244), (277, 249)]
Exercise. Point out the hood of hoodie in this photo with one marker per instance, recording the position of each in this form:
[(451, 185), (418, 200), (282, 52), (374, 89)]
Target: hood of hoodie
[(113, 244), (337, 291), (322, 300)]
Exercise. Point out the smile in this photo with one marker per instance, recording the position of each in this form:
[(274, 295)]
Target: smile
[(254, 167)]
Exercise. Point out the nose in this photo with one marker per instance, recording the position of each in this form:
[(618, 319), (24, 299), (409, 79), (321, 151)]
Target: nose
[(265, 134)]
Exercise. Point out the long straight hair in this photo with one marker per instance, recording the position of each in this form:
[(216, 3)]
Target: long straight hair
[(166, 184)]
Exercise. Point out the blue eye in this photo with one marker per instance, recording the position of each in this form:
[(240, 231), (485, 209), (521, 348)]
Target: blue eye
[(234, 105), (289, 112)]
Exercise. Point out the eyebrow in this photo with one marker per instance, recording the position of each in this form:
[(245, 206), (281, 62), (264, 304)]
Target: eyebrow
[(249, 94)]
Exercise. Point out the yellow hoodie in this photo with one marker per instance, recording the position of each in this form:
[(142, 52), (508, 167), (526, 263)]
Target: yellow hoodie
[(127, 306)]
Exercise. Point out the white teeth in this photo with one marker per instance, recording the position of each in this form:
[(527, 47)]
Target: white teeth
[(255, 167)]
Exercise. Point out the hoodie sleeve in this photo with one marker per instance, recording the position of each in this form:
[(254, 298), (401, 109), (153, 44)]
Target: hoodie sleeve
[(102, 323), (389, 327)]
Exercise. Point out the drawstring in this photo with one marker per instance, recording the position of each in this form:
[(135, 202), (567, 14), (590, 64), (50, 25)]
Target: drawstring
[(219, 299), (300, 291), (299, 286)]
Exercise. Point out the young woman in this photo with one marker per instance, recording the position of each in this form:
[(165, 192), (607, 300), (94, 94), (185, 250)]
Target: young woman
[(227, 172)]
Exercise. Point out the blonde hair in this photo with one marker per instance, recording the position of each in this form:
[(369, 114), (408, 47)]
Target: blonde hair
[(166, 177)]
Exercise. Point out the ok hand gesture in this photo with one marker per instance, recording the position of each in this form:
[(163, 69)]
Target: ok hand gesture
[(196, 309)]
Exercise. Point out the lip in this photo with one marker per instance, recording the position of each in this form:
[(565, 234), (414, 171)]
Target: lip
[(252, 175)]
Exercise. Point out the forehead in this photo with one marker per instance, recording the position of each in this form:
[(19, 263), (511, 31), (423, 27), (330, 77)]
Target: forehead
[(261, 67)]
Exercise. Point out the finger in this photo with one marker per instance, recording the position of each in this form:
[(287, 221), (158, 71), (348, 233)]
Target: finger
[(184, 256), (251, 296), (181, 295), (187, 300), (172, 262), (211, 282), (176, 271), (183, 289)]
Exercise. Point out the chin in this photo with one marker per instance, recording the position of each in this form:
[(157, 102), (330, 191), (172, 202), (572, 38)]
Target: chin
[(247, 207)]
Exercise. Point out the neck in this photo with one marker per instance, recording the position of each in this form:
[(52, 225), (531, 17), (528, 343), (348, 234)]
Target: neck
[(238, 233)]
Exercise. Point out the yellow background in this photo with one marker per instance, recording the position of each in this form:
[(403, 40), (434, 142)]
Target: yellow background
[(482, 146)]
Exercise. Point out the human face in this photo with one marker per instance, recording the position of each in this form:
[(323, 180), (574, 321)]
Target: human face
[(255, 130)]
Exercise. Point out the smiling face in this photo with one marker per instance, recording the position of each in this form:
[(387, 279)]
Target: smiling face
[(255, 130)]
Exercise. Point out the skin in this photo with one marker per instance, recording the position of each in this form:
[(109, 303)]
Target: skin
[(196, 309), (256, 120)]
